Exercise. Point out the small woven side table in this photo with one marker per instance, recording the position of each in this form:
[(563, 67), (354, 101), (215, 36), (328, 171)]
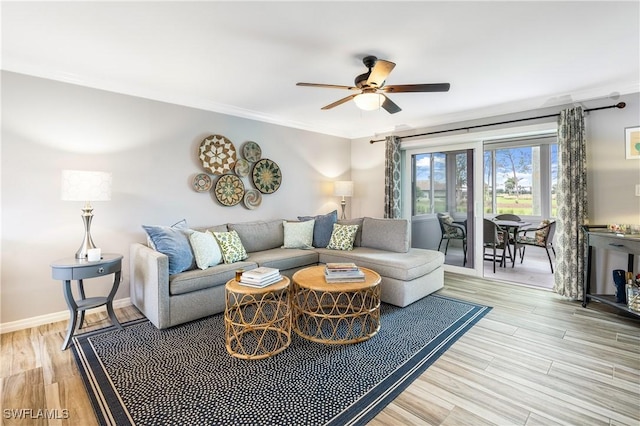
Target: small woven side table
[(257, 320)]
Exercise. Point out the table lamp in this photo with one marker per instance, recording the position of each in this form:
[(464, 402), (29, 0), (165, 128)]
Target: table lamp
[(343, 188), (87, 186)]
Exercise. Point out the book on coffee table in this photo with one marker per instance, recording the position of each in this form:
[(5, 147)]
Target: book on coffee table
[(260, 277), (261, 283), (343, 273)]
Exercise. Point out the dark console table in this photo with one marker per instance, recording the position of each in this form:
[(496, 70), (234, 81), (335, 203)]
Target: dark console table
[(598, 237), (80, 269)]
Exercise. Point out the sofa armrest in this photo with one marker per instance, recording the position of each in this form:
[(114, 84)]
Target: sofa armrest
[(149, 283)]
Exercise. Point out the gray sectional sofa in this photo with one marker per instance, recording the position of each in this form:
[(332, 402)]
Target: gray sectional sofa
[(382, 245)]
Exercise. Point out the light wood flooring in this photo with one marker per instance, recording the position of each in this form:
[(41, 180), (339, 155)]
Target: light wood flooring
[(535, 359)]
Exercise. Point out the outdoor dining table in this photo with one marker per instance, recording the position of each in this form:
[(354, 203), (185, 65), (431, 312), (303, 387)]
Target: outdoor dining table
[(512, 227)]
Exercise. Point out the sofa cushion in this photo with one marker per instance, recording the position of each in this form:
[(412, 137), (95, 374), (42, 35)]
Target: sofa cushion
[(284, 259), (173, 242), (386, 234), (206, 249), (356, 221), (259, 235), (298, 235), (401, 266), (342, 237), (197, 279), (231, 246), (323, 227)]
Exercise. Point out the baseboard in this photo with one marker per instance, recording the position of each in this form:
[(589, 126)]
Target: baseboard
[(53, 317)]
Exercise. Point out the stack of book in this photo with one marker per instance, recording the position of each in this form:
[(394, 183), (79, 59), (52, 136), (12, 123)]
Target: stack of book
[(260, 277), (343, 273)]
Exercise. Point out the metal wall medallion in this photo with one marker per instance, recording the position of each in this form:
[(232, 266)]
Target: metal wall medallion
[(217, 154), (229, 190), (266, 176)]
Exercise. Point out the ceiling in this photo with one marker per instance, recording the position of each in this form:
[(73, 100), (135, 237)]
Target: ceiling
[(245, 58)]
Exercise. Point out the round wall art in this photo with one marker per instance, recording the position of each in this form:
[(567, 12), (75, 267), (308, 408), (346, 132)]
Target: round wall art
[(229, 190), (266, 176), (242, 167), (251, 151), (217, 154), (252, 199), (202, 182)]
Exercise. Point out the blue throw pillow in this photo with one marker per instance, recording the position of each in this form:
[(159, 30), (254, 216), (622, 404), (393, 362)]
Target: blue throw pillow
[(323, 227), (173, 241)]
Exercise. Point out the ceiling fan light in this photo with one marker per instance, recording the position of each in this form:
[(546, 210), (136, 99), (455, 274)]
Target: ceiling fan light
[(369, 101)]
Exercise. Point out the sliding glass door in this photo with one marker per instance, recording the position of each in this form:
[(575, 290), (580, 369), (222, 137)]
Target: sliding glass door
[(442, 203)]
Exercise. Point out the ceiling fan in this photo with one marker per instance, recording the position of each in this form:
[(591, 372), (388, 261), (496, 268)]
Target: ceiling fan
[(371, 85)]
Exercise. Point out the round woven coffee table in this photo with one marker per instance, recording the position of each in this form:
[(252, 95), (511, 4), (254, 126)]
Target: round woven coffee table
[(257, 320), (335, 313)]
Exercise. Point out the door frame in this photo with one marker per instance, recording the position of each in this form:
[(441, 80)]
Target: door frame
[(475, 141)]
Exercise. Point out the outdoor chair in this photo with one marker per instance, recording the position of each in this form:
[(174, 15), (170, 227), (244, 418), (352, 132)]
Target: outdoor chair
[(542, 237), (494, 239), (452, 231)]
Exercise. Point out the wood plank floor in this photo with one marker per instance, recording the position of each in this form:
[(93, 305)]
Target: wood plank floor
[(535, 359)]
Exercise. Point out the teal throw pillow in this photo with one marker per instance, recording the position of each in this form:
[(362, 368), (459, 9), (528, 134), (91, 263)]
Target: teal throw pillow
[(323, 227), (342, 237), (231, 246), (205, 249), (298, 234), (173, 242)]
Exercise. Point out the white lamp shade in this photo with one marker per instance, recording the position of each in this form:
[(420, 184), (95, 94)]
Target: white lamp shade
[(369, 101), (78, 185), (343, 188)]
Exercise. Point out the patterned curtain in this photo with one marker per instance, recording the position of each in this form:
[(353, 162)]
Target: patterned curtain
[(392, 178), (572, 204)]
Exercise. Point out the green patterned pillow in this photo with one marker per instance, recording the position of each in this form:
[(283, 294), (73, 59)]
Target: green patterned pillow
[(342, 237), (231, 246), (298, 235)]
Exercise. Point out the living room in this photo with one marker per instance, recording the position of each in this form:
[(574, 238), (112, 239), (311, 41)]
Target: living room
[(52, 122)]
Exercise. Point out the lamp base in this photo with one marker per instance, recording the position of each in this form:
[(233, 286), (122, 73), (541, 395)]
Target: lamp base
[(87, 242), (343, 203)]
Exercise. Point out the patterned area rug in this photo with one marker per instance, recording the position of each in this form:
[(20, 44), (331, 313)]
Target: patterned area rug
[(183, 375)]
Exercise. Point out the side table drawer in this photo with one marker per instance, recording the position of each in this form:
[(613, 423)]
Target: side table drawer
[(616, 244), (92, 271)]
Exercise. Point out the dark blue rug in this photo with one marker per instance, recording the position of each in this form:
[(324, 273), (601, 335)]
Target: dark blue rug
[(183, 375)]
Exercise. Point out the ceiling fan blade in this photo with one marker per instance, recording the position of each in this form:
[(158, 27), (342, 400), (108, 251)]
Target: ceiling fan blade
[(400, 88), (340, 102), (327, 86), (390, 106), (379, 73)]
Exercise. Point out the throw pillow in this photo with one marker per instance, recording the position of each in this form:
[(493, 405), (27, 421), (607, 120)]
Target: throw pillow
[(342, 237), (323, 227), (231, 246), (173, 242), (205, 249), (298, 234), (541, 234)]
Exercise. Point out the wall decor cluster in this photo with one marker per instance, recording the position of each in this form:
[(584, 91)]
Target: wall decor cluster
[(219, 157)]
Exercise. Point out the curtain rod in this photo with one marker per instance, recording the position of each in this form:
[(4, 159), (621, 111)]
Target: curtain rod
[(619, 105)]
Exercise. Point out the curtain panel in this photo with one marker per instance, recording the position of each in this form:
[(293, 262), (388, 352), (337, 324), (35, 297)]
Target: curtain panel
[(571, 193), (392, 178)]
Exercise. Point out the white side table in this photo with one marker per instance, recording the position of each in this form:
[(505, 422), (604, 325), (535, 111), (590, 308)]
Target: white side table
[(69, 269)]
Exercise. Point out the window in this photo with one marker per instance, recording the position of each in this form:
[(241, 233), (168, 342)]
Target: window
[(440, 182), (520, 177)]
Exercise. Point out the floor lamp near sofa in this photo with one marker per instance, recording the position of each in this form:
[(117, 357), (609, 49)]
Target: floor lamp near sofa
[(343, 188), (87, 186)]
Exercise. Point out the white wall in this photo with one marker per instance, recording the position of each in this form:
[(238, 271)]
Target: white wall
[(151, 149)]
